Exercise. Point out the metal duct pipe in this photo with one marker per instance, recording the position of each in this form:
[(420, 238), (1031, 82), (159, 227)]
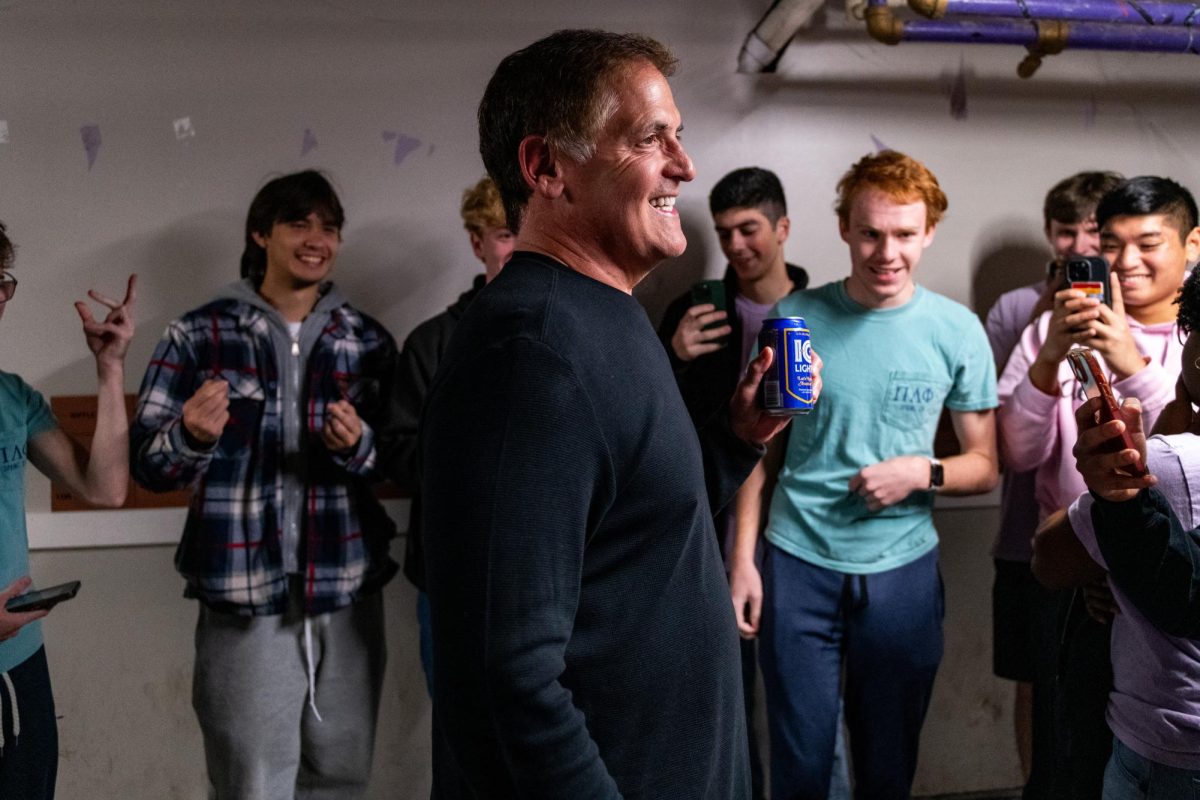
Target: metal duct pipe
[(1040, 37), (1117, 12), (766, 42)]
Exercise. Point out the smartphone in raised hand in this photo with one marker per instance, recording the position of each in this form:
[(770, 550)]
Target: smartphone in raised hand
[(1095, 383), (1089, 274)]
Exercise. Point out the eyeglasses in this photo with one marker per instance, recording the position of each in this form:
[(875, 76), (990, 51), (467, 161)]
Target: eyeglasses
[(8, 286)]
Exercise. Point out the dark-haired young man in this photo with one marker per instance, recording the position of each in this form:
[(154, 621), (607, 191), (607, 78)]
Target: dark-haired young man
[(1024, 612), (1149, 235), (749, 212), (1153, 709), (263, 401)]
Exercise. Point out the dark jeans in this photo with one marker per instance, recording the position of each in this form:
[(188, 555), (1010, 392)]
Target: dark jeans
[(28, 761), (887, 628)]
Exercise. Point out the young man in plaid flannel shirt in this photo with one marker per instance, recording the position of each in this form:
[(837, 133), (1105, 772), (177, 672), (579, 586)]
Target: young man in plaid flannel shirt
[(264, 402)]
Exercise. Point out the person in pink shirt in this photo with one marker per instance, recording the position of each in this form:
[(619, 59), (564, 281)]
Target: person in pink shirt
[(1154, 707), (1149, 236), (1023, 611)]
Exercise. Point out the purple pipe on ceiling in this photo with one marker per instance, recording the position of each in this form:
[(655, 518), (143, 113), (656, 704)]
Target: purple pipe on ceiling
[(1117, 12)]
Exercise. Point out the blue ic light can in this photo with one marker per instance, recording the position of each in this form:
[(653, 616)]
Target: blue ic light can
[(787, 388)]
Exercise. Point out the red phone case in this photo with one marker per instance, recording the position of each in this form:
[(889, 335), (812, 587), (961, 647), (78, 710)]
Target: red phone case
[(1095, 384)]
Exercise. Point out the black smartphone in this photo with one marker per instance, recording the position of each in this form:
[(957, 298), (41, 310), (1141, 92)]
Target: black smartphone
[(710, 291), (1089, 274), (42, 598), (1095, 384)]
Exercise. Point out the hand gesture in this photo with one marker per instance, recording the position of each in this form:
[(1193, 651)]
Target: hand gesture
[(109, 340), (888, 482), (342, 428), (751, 423), (207, 411), (10, 623), (1103, 470), (691, 340), (1111, 337), (745, 587)]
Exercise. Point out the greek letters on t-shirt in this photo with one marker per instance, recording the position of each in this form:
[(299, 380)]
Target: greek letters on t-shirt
[(911, 398)]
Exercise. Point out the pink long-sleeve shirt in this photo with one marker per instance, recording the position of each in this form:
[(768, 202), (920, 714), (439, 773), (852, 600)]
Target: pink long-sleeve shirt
[(1038, 430)]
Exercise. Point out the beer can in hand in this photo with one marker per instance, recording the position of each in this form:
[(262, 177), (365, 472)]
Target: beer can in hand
[(787, 388)]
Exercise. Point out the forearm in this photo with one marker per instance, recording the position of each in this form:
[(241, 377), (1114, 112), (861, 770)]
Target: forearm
[(1028, 427), (107, 475), (1153, 559), (748, 515), (970, 473), (1060, 560)]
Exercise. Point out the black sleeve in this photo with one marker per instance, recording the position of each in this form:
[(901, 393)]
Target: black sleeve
[(1154, 561), (518, 478), (407, 384)]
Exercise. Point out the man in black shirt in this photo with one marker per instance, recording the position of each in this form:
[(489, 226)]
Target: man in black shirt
[(585, 646)]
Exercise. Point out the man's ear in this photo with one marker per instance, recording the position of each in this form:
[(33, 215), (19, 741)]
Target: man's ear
[(1191, 245), (259, 239), (539, 166), (783, 226)]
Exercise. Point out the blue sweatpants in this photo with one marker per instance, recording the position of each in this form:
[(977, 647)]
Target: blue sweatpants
[(28, 731), (885, 632)]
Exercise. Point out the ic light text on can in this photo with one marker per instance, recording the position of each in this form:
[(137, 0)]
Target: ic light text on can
[(787, 387)]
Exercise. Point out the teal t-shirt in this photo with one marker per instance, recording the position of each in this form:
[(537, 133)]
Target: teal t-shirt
[(887, 375), (24, 413)]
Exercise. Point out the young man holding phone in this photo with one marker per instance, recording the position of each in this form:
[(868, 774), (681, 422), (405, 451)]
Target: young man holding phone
[(1148, 236), (1024, 612), (709, 343), (1153, 709), (28, 431)]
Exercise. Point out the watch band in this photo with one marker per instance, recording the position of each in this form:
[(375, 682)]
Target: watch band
[(937, 475)]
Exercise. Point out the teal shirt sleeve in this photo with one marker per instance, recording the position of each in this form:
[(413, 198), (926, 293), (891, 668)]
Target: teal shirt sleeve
[(974, 386)]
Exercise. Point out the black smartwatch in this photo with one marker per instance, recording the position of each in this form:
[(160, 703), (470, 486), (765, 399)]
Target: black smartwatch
[(937, 476)]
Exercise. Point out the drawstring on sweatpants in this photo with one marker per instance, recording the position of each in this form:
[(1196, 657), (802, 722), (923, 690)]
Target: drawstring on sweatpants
[(16, 714), (312, 671)]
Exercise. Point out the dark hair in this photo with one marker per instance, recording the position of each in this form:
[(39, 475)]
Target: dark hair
[(1189, 303), (7, 249), (749, 187), (559, 87), (1072, 200), (286, 199), (1150, 194)]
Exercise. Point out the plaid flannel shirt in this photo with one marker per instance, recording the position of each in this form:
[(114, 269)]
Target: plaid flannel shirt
[(231, 551)]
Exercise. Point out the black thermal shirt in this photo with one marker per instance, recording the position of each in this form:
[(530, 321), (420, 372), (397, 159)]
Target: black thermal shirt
[(584, 641)]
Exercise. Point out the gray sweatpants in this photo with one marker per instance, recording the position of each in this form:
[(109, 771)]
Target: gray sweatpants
[(250, 690)]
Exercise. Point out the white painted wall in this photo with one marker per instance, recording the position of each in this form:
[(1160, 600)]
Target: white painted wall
[(253, 76)]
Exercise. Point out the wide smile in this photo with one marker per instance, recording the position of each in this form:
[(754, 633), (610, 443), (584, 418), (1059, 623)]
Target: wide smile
[(665, 205)]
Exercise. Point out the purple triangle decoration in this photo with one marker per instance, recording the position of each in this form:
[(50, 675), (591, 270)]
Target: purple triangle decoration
[(958, 93), (310, 142), (404, 145), (879, 146), (90, 134)]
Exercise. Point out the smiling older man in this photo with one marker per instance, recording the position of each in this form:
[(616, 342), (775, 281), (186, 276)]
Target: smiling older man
[(584, 642)]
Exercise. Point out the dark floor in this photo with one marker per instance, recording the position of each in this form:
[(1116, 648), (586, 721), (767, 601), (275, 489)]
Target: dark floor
[(1000, 794)]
